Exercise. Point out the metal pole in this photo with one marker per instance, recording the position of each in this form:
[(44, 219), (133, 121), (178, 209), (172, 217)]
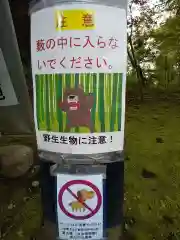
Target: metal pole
[(15, 109)]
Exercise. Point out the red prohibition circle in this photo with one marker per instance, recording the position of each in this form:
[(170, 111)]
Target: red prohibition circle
[(89, 184)]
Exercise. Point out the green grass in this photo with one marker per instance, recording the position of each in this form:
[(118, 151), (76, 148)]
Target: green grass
[(105, 88), (149, 202), (27, 221)]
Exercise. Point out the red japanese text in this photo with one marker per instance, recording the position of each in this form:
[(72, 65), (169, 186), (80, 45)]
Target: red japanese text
[(74, 63), (76, 42)]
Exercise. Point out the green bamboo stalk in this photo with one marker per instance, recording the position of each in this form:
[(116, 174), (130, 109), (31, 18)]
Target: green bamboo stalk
[(91, 90), (93, 82), (54, 99), (39, 93), (84, 81), (41, 103), (117, 103), (105, 101), (109, 96), (37, 82), (89, 83), (67, 85), (72, 86), (83, 85), (101, 102), (50, 79), (42, 80), (107, 107), (44, 100), (96, 86), (73, 80), (67, 80), (46, 96), (77, 82), (114, 96), (63, 89), (81, 80), (50, 105), (120, 101), (59, 99)]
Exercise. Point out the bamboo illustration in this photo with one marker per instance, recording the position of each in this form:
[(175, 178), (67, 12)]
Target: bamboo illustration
[(49, 97), (98, 94), (47, 102), (105, 88), (77, 78), (63, 113), (119, 100), (72, 85), (84, 81), (38, 99), (55, 124), (101, 101), (44, 100), (107, 103), (67, 84), (113, 109), (84, 84), (89, 83), (95, 95), (72, 80), (59, 89), (112, 79), (41, 105), (117, 105), (81, 80)]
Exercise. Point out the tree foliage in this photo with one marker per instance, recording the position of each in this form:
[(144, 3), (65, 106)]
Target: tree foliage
[(139, 27), (153, 41)]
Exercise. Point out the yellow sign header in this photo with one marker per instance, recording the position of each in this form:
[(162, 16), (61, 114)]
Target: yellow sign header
[(76, 19)]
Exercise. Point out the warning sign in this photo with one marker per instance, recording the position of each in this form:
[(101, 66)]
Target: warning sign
[(80, 206)]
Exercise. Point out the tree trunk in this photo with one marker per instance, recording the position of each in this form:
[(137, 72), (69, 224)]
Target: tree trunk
[(139, 73)]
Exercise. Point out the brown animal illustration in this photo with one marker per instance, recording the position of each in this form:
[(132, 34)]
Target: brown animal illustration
[(82, 195), (78, 107)]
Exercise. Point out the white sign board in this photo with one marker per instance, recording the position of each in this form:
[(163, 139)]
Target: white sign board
[(80, 206), (79, 71), (7, 93)]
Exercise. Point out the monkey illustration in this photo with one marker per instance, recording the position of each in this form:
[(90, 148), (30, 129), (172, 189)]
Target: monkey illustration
[(82, 195), (77, 106)]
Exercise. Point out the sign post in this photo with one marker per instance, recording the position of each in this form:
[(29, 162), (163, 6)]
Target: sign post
[(79, 75)]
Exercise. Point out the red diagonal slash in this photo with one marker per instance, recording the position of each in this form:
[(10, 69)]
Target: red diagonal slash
[(83, 203)]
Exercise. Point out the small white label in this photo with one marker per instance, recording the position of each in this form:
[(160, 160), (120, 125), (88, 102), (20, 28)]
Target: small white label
[(7, 93), (80, 206)]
